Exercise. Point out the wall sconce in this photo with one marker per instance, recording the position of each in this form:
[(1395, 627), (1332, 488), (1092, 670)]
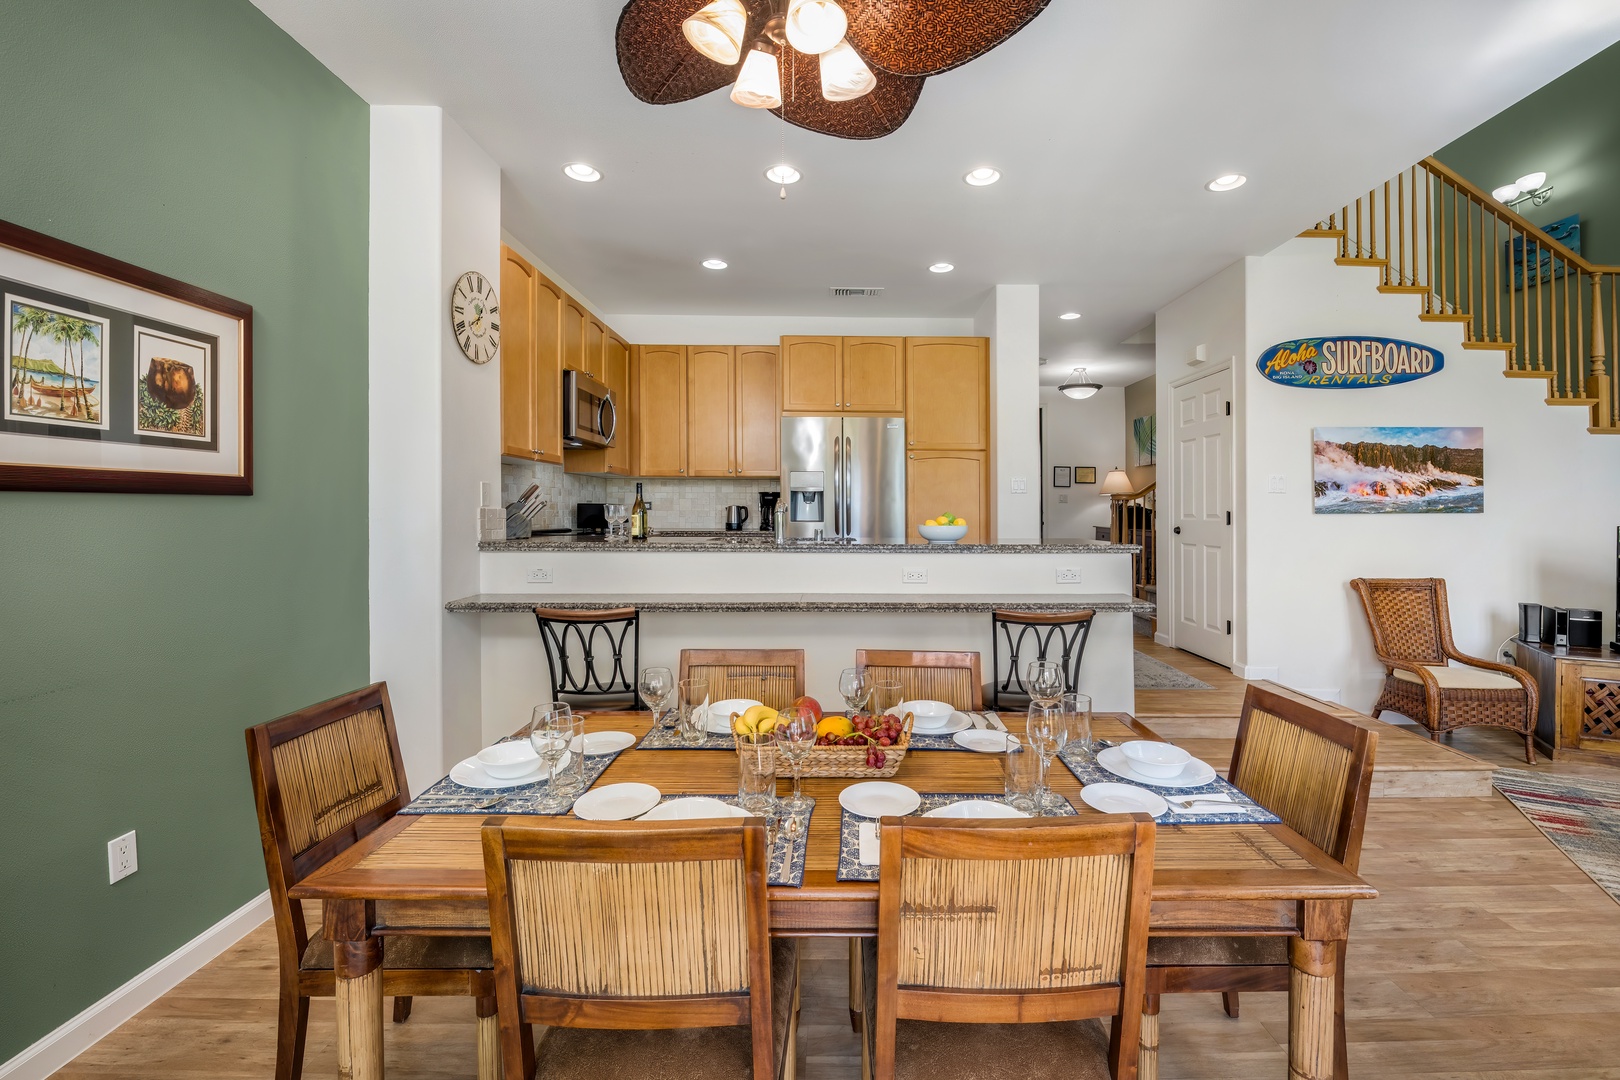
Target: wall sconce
[(1530, 188)]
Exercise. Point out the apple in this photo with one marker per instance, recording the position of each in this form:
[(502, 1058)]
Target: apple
[(808, 702)]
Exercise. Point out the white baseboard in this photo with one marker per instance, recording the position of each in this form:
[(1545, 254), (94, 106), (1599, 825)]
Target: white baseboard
[(1163, 638), (93, 1024), (1253, 673)]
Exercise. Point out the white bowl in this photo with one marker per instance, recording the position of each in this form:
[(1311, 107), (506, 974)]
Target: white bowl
[(942, 534), (718, 719), (508, 759), (1158, 759), (925, 715)]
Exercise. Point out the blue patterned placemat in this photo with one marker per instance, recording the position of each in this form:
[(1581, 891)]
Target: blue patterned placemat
[(794, 875), (849, 832), (661, 738), (449, 797), (1087, 771)]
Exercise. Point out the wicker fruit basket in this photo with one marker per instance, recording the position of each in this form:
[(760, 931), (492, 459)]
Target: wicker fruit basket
[(851, 761)]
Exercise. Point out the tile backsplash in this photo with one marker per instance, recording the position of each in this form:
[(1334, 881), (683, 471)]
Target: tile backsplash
[(676, 504)]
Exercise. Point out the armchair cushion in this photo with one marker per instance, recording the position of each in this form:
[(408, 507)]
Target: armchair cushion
[(1462, 678)]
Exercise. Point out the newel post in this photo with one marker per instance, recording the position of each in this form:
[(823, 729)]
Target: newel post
[(1597, 381)]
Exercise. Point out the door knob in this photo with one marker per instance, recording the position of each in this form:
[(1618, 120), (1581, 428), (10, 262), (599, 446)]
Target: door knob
[(1177, 530)]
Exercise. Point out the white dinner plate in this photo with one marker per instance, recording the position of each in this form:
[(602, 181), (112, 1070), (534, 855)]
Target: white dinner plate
[(1196, 774), (602, 742), (718, 721), (470, 773), (977, 808), (696, 807), (957, 721), (983, 741), (1122, 799), (879, 798), (616, 802)]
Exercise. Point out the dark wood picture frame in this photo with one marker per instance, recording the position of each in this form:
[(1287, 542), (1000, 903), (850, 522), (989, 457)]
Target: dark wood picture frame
[(1060, 476), (15, 476), (1085, 474)]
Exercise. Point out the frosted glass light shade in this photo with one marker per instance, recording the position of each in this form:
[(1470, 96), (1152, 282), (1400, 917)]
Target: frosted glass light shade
[(1506, 193), (844, 75), (760, 84), (717, 31), (1530, 181), (814, 26)]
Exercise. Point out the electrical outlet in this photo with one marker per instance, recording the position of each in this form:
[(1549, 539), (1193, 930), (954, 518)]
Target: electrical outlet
[(1068, 575), (121, 858), (1063, 498), (540, 575), (914, 577)]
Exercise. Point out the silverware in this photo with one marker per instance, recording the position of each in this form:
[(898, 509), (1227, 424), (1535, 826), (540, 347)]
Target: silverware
[(995, 721), (979, 722), (1188, 804), (791, 829), (487, 803)]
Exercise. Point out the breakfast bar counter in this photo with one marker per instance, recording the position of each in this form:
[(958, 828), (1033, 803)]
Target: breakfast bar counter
[(946, 603)]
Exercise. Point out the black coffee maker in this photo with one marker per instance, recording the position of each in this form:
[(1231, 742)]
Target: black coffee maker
[(767, 510)]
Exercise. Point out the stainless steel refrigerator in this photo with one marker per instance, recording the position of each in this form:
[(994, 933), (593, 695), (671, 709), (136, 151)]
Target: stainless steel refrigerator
[(844, 478)]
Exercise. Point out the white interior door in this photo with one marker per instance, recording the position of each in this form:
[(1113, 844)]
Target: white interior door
[(1201, 518)]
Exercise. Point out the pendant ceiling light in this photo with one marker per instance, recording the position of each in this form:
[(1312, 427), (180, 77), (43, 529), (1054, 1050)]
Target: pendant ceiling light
[(849, 68), (1078, 386)]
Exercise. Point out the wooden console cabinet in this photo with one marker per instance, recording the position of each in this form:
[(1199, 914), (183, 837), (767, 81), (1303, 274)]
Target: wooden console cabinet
[(1579, 710)]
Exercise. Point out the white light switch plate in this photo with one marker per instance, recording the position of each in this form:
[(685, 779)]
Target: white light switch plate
[(1277, 484), (121, 858), (914, 577), (1068, 575), (539, 575), (1019, 487)]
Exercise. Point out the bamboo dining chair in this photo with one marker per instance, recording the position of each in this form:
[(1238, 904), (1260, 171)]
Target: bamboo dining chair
[(1411, 629), (323, 779), (1002, 943), (1312, 769), (772, 676), (592, 657), (644, 947), (951, 677)]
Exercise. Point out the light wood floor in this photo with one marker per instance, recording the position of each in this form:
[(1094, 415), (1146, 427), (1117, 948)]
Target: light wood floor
[(1488, 956)]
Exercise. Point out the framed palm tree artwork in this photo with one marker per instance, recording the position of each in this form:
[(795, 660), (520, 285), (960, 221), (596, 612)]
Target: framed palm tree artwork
[(116, 378)]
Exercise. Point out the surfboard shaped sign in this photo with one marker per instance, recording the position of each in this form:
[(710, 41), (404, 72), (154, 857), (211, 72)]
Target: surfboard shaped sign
[(1348, 363)]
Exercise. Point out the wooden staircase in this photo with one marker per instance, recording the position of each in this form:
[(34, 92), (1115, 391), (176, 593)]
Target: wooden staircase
[(1509, 285)]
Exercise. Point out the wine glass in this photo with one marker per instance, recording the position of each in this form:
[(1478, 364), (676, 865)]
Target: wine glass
[(1044, 682), (657, 685), (1044, 729), (855, 684), (550, 732), (796, 740)]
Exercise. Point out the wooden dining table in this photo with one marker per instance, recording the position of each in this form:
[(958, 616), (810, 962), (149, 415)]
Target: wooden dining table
[(424, 874)]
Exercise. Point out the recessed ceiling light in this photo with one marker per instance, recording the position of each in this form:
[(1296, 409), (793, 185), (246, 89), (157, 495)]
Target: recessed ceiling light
[(582, 172), (1069, 315), (714, 264), (1227, 182), (942, 268), (983, 177), (782, 174)]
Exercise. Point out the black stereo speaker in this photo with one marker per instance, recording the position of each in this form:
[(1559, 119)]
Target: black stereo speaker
[(1530, 624), (1585, 628)]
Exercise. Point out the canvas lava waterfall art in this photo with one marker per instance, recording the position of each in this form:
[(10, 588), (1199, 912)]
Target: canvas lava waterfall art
[(1399, 470)]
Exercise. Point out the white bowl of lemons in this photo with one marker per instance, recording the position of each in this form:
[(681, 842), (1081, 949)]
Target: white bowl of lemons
[(944, 529)]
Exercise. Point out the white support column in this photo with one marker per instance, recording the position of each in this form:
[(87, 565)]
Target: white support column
[(1011, 318)]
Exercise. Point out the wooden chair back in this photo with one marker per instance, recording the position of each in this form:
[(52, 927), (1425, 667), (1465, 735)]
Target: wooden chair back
[(1014, 922), (951, 677), (591, 654), (629, 925), (1409, 617), (1307, 766), (323, 778), (772, 676)]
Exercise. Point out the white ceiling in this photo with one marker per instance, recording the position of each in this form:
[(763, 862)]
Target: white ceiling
[(1105, 118)]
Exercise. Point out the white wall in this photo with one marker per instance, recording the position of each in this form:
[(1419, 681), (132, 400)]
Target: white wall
[(1086, 432), (1011, 318)]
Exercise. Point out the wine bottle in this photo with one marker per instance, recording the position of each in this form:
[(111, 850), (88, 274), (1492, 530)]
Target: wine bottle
[(638, 517)]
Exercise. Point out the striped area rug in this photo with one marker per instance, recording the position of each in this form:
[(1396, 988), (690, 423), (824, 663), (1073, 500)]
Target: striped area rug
[(1578, 814)]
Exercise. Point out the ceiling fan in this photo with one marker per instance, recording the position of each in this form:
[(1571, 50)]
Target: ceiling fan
[(849, 68)]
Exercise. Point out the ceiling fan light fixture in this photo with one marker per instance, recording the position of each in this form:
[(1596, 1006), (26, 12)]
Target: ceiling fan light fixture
[(782, 174), (717, 31), (982, 177), (759, 86), (1079, 386), (814, 26), (844, 75)]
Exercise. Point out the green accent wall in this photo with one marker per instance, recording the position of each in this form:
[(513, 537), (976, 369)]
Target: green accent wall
[(142, 633), (1569, 129)]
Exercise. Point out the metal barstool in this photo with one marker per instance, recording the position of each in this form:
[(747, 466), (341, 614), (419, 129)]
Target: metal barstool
[(1011, 628), (586, 654)]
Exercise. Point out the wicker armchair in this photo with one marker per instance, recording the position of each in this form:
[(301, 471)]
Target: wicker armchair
[(1411, 629)]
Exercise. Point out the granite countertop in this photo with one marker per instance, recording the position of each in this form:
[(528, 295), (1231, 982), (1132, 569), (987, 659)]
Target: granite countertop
[(752, 542), (951, 603)]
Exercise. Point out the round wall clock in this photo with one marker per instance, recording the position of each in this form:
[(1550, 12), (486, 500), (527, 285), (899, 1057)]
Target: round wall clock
[(475, 316)]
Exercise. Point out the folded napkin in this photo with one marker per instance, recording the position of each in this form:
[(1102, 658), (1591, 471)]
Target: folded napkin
[(995, 721), (869, 844)]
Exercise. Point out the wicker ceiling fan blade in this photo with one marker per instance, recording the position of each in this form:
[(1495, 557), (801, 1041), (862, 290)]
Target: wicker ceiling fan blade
[(926, 37), (872, 116), (657, 63)]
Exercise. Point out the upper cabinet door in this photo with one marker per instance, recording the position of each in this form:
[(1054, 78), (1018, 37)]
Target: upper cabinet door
[(758, 427), (548, 312), (874, 375), (948, 393), (518, 437), (595, 339), (708, 410), (811, 372), (660, 412), (573, 335), (616, 371)]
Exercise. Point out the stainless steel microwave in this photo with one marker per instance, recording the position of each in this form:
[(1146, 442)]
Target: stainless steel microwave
[(590, 415)]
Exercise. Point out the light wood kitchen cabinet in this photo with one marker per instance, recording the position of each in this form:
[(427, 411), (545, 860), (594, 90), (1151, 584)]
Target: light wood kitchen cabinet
[(873, 377), (595, 339), (948, 394), (812, 375), (659, 410), (945, 481), (611, 365), (757, 427), (573, 335), (531, 370), (709, 410)]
